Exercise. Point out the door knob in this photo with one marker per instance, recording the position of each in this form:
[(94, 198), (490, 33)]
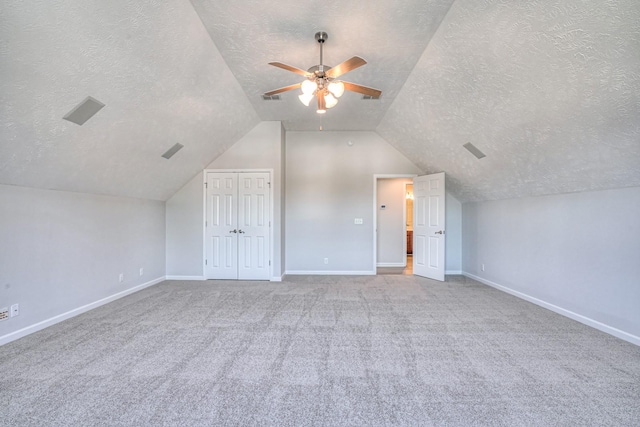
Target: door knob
[(439, 232), (233, 231), (240, 231)]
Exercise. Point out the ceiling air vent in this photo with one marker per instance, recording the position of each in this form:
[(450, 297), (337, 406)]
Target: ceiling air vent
[(171, 151), (84, 111), (474, 150), (271, 98), (369, 97)]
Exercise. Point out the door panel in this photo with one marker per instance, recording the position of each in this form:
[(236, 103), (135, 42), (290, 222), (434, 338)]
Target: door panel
[(254, 227), (221, 242), (429, 226)]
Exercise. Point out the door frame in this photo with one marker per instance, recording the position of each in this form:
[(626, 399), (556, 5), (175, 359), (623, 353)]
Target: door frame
[(271, 214), (374, 226)]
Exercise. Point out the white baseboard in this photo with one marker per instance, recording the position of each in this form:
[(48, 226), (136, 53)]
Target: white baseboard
[(277, 279), (186, 278), (391, 264), (76, 311), (633, 339), (453, 272), (328, 273)]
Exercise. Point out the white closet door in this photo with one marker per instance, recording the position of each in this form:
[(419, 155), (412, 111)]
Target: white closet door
[(429, 226), (221, 227), (253, 226)]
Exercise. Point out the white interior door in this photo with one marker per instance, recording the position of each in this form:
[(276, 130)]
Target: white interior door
[(221, 226), (429, 226), (253, 226), (237, 226)]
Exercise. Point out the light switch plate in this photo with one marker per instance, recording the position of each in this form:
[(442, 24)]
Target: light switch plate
[(357, 221)]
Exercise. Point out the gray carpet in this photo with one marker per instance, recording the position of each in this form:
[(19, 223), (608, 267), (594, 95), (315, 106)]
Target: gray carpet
[(380, 350)]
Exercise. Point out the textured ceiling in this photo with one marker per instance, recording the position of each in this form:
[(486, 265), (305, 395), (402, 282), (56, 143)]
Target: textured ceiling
[(154, 66), (549, 91), (389, 35)]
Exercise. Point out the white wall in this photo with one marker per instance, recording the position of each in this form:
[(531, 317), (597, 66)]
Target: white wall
[(579, 252), (328, 185), (391, 245), (261, 148), (61, 251)]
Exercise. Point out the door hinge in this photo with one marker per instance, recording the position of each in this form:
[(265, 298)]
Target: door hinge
[(206, 262), (206, 223), (206, 185), (269, 184), (269, 262)]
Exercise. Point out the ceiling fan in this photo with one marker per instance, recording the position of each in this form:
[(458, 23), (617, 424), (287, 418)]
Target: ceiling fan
[(321, 80)]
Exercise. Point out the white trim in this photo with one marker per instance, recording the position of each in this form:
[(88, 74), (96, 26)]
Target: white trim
[(392, 264), (12, 336), (633, 339), (453, 272), (374, 225), (329, 273), (272, 202), (186, 278), (277, 279)]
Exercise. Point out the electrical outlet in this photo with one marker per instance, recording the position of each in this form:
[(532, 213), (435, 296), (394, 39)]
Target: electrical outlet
[(326, 260), (357, 221), (141, 271), (121, 278), (15, 310), (482, 267)]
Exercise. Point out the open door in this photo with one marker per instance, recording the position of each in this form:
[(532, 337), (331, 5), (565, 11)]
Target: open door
[(428, 226)]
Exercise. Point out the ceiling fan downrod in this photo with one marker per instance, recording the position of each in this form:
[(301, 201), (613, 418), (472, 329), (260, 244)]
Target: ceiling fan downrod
[(321, 37)]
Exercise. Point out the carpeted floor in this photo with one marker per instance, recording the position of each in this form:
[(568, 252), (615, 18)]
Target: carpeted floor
[(380, 350)]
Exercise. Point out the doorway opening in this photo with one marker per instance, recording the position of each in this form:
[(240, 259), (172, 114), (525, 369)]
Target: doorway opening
[(390, 213)]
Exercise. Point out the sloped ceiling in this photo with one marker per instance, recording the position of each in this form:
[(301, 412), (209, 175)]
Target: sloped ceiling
[(549, 90), (154, 66)]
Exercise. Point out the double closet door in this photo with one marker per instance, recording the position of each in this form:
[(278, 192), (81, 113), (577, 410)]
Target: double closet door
[(237, 226)]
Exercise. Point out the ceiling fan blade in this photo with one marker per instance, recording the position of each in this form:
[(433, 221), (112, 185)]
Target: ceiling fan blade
[(375, 93), (346, 66), (283, 89), (290, 68), (322, 106)]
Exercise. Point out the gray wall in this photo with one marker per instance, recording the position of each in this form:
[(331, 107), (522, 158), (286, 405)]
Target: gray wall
[(453, 236), (579, 252), (328, 185), (261, 148), (61, 250)]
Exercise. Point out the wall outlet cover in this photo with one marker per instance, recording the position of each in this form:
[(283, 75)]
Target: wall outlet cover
[(15, 310)]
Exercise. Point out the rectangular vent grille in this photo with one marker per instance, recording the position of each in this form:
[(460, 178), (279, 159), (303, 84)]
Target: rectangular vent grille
[(171, 151), (4, 313), (369, 97), (84, 111), (271, 98), (474, 150)]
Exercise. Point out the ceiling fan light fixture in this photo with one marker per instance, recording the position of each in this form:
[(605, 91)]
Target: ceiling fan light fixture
[(321, 111), (305, 98), (308, 87), (330, 100), (336, 88)]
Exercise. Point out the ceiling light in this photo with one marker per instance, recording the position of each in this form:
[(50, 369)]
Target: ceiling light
[(305, 98), (321, 111), (330, 100), (336, 88), (309, 87)]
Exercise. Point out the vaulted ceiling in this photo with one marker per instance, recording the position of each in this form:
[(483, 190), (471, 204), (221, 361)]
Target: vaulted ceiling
[(548, 90)]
